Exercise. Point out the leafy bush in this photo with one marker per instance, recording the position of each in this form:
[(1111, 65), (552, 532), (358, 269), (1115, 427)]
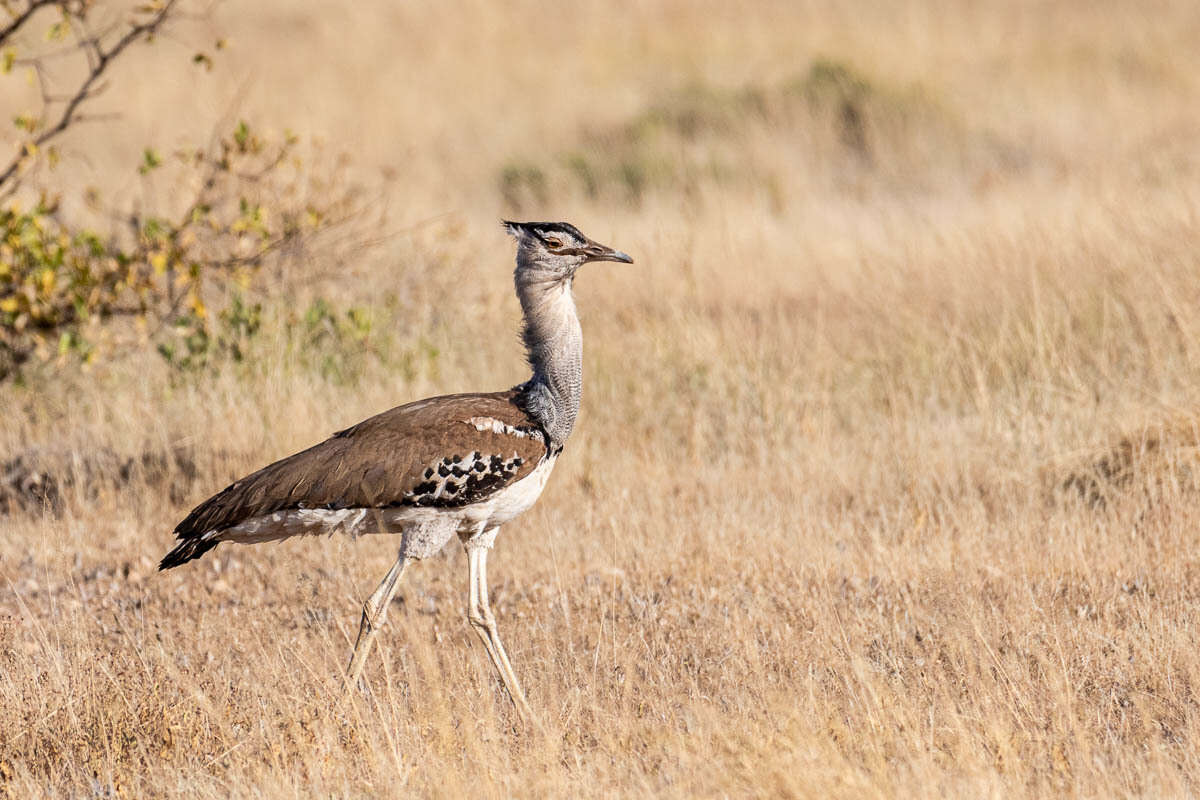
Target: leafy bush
[(62, 284), (196, 343), (58, 279)]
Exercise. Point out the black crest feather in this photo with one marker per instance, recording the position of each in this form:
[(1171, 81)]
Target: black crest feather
[(543, 229)]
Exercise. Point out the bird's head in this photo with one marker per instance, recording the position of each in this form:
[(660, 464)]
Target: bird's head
[(555, 250)]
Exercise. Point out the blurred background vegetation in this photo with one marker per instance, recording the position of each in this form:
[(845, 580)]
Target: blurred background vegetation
[(212, 217)]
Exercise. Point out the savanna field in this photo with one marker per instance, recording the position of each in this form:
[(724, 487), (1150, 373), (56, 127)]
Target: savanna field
[(887, 478)]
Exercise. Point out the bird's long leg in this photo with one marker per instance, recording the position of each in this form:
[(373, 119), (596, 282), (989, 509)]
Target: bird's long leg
[(479, 614), (373, 616)]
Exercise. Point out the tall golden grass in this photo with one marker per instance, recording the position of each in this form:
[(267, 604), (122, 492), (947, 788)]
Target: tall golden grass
[(886, 480)]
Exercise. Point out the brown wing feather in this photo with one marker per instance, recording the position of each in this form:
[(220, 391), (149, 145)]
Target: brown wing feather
[(377, 463)]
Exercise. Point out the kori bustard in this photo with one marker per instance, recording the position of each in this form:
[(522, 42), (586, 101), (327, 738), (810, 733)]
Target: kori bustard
[(460, 464)]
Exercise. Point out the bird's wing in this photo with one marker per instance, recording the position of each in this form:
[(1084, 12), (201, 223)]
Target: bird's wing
[(446, 451)]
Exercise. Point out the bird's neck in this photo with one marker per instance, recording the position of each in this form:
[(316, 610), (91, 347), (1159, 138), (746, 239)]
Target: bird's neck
[(554, 348)]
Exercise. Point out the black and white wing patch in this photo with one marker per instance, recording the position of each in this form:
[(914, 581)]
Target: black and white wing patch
[(462, 480)]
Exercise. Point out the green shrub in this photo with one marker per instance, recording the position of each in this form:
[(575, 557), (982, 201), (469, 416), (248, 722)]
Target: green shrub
[(63, 283), (58, 280)]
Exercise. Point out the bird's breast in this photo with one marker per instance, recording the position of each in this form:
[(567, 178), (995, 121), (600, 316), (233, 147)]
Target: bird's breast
[(514, 500)]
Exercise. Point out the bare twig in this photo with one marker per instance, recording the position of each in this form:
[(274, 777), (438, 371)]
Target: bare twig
[(12, 27), (100, 60)]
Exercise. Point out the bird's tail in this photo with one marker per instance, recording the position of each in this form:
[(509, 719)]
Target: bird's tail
[(186, 550)]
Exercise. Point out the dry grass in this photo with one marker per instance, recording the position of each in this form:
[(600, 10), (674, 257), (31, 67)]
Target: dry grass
[(886, 482)]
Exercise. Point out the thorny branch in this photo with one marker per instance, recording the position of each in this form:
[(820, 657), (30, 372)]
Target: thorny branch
[(99, 59), (23, 17)]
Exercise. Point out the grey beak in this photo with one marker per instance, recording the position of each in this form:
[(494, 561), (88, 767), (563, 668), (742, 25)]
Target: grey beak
[(598, 252)]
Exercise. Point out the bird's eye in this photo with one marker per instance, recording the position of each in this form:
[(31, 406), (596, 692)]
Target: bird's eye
[(552, 242)]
